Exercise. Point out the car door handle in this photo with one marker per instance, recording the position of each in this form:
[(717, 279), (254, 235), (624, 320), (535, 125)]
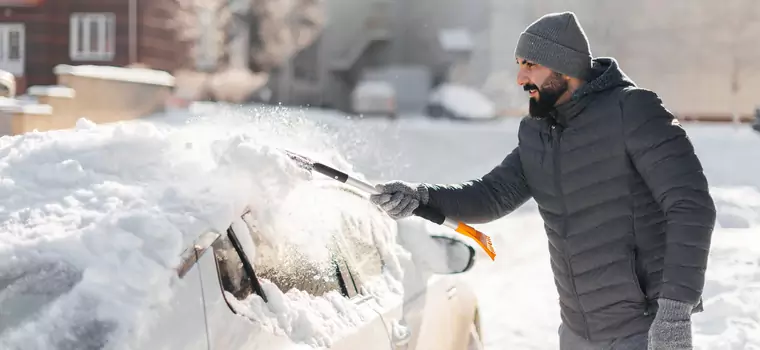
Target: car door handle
[(401, 335), (451, 292)]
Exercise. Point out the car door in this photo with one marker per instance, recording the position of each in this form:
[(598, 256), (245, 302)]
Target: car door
[(227, 284), (420, 318), (429, 298), (424, 319), (181, 322)]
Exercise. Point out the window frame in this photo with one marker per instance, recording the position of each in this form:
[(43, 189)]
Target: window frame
[(189, 257), (106, 24), (255, 283), (13, 66)]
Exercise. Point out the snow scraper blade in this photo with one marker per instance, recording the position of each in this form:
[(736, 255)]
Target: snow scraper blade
[(422, 211)]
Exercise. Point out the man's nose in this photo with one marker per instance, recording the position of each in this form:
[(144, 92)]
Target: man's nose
[(522, 78)]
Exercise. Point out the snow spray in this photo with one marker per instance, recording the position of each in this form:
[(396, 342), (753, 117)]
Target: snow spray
[(423, 211)]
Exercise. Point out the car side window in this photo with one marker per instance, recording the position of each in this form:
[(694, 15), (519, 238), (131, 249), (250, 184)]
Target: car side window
[(300, 273), (288, 268), (232, 273), (364, 259)]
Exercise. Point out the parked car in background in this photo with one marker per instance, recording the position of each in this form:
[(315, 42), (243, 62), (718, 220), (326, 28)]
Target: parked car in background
[(460, 102), (756, 125), (373, 97)]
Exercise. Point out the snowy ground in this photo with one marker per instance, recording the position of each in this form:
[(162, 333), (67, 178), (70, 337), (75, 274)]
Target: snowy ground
[(68, 173)]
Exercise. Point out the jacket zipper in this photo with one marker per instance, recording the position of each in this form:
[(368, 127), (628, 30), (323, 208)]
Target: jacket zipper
[(555, 140)]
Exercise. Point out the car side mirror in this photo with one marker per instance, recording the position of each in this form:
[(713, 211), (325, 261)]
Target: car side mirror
[(457, 256)]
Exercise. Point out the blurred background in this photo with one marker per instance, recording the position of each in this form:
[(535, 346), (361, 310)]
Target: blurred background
[(387, 57)]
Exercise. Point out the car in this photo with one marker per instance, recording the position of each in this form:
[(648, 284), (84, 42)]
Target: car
[(756, 124), (217, 273), (460, 102), (374, 97)]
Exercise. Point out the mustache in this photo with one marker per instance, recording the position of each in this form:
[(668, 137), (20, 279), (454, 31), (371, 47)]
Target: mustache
[(527, 87)]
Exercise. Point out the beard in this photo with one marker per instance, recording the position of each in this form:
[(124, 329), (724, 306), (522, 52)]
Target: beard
[(548, 94)]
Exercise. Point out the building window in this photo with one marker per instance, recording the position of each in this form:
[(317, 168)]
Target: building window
[(92, 36), (12, 48)]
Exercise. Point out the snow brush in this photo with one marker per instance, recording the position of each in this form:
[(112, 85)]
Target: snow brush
[(423, 211)]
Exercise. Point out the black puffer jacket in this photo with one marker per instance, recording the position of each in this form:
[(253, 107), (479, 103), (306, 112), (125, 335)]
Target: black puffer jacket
[(618, 185)]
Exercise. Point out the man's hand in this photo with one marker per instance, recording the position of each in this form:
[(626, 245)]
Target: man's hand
[(671, 329), (399, 199)]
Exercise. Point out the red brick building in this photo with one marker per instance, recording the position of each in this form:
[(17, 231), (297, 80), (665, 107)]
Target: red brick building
[(37, 35)]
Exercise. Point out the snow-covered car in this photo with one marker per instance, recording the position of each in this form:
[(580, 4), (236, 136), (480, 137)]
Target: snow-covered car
[(218, 279), (461, 102), (374, 97), (141, 235)]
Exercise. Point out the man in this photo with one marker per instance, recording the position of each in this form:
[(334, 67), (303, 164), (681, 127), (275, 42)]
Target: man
[(625, 203)]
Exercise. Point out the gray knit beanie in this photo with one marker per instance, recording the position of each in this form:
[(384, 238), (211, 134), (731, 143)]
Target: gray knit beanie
[(558, 42)]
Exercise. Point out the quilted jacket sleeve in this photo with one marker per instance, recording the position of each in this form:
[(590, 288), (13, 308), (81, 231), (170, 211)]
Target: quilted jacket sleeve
[(488, 198), (664, 156)]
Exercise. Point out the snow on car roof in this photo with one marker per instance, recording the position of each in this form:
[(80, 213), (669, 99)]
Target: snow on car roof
[(93, 219)]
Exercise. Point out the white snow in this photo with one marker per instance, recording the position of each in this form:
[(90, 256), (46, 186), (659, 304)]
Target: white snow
[(464, 101), (51, 90), (132, 74), (14, 105), (96, 217)]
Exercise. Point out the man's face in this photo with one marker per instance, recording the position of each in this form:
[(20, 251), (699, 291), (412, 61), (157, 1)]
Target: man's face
[(543, 85)]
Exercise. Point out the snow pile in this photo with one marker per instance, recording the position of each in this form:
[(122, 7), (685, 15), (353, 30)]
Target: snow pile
[(14, 105), (463, 101), (93, 220)]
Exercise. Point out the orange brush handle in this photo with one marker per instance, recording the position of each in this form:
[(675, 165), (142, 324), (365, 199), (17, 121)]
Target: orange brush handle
[(483, 240), (437, 217)]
